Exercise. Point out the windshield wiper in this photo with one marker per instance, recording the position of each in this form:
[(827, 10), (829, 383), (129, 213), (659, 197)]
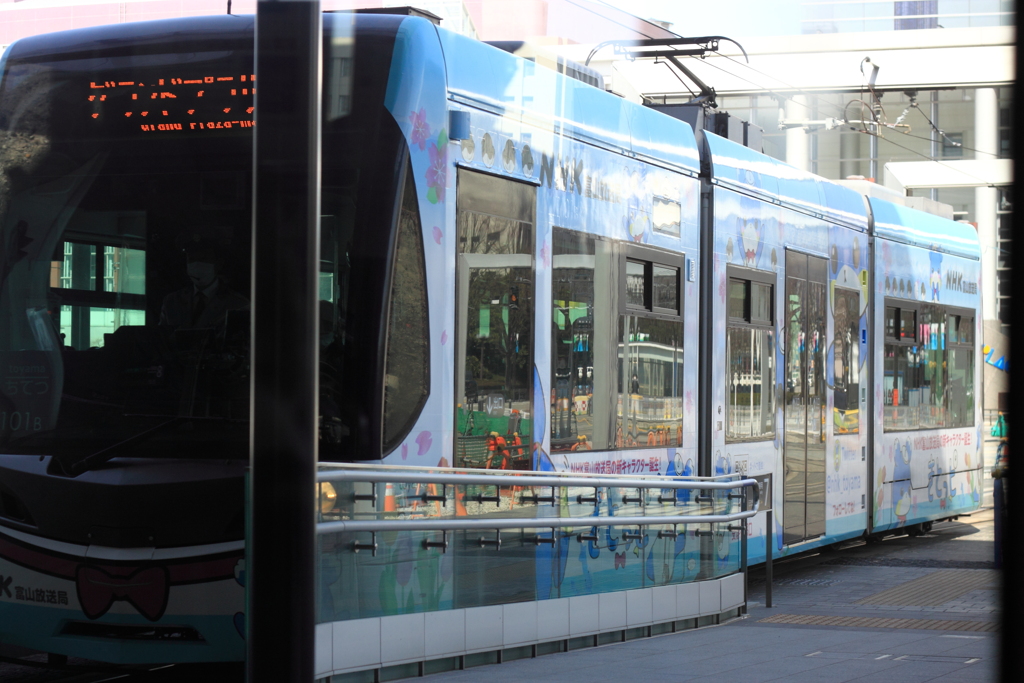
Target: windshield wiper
[(72, 468)]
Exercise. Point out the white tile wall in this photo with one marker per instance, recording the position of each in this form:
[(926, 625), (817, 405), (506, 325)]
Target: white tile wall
[(710, 597), (664, 607), (639, 607), (362, 644), (552, 619), (323, 659), (732, 591), (445, 633), (356, 644), (688, 600), (520, 623), (612, 610), (484, 628), (584, 615), (402, 639)]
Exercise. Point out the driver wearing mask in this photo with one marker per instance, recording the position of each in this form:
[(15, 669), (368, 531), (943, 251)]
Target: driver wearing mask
[(203, 303)]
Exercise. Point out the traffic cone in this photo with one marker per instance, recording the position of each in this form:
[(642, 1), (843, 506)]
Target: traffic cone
[(389, 499)]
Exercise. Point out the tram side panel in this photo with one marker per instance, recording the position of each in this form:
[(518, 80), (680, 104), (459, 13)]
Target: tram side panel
[(527, 233), (846, 365), (775, 411), (927, 459), (746, 415)]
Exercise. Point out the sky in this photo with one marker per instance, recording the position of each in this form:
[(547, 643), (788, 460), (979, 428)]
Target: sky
[(732, 18)]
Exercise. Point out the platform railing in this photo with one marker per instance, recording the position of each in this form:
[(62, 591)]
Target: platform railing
[(397, 540)]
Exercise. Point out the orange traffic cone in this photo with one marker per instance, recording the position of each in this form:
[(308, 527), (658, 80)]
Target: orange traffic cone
[(389, 499)]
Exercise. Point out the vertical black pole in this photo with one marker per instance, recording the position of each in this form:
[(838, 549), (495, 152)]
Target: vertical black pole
[(769, 541), (286, 244), (743, 547)]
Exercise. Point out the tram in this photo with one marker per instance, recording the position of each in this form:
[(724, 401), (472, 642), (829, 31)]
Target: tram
[(507, 253)]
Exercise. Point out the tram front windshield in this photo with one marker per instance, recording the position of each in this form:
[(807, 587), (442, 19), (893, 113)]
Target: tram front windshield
[(125, 243)]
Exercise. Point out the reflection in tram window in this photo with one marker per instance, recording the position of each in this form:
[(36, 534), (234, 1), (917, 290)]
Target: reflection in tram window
[(929, 368), (575, 346), (494, 362), (650, 407), (750, 353), (847, 361), (960, 392)]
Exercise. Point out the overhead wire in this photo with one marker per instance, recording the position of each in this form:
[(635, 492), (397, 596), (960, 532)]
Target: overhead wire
[(841, 108), (982, 181), (788, 85)]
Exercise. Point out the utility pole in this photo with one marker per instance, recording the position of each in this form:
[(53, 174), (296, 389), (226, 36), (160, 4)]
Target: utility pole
[(281, 535)]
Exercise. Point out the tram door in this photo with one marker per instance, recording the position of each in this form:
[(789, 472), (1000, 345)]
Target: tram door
[(494, 319), (803, 505)]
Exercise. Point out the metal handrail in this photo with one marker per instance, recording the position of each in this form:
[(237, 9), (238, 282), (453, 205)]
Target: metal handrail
[(553, 480), (456, 523), (516, 478)]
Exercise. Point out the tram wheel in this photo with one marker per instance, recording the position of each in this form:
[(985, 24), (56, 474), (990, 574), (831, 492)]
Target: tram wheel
[(926, 527), (915, 530)]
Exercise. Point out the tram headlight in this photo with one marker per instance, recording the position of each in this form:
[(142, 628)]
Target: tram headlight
[(328, 496)]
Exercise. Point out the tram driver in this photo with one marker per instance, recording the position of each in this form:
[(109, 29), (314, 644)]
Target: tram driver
[(206, 300)]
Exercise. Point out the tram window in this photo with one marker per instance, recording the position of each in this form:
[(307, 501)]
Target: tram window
[(580, 378), (636, 284), (494, 317), (908, 324), (666, 288), (738, 297), (960, 392), (931, 333), (760, 303), (846, 414), (902, 367), (79, 272), (928, 378), (407, 363), (891, 323), (750, 354), (649, 406)]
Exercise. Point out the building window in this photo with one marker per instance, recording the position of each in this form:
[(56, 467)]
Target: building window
[(750, 355), (1004, 235)]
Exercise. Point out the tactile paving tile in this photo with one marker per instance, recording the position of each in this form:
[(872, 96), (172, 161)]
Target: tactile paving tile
[(934, 589), (877, 622)]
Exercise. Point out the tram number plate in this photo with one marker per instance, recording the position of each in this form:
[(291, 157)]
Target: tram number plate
[(764, 486)]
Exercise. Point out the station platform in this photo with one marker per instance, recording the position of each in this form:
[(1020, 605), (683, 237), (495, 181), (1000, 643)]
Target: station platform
[(907, 609)]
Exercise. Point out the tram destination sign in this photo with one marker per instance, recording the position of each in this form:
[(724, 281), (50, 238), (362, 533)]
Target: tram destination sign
[(174, 103)]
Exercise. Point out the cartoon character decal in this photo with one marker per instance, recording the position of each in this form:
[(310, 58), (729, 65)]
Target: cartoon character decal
[(935, 278), (749, 229), (901, 493)]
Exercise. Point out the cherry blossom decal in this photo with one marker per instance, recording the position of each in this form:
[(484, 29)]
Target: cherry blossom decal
[(423, 441), (420, 128), (437, 169)]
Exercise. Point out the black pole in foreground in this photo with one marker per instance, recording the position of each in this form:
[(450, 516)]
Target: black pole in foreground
[(286, 246)]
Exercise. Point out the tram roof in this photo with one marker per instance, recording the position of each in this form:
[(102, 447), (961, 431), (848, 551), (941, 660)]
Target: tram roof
[(485, 77), (743, 169), (906, 225)]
